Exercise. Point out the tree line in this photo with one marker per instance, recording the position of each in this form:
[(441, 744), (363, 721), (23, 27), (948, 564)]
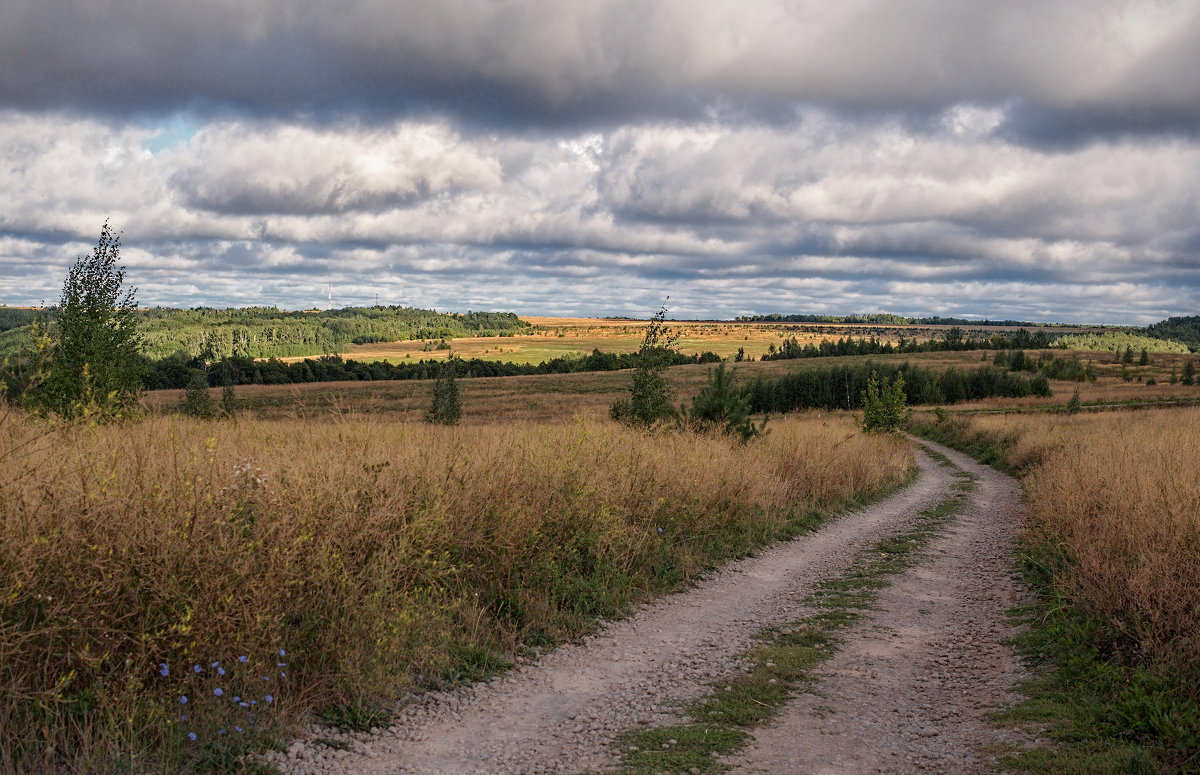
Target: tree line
[(884, 319), (176, 372), (955, 339), (843, 387)]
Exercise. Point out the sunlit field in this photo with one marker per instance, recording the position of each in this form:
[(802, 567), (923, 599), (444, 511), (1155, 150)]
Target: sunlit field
[(557, 337)]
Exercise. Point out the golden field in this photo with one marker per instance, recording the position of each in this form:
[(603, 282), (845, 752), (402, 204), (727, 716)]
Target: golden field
[(377, 555), (552, 337)]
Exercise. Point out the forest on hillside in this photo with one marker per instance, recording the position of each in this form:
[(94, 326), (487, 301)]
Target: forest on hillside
[(1182, 329), (266, 332)]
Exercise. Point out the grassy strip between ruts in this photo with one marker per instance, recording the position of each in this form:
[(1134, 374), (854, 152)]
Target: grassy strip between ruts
[(718, 723)]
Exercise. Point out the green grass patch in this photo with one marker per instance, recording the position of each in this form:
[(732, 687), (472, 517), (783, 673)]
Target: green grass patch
[(679, 748), (355, 717), (785, 657), (473, 662)]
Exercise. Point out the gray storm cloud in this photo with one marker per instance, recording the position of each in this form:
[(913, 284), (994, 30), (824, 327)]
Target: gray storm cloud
[(1117, 62)]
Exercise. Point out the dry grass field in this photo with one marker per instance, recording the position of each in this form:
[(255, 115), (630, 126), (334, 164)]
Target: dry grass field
[(1118, 492), (560, 397), (145, 563)]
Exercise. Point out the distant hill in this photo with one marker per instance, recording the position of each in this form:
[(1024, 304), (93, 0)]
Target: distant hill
[(265, 332), (1182, 329)]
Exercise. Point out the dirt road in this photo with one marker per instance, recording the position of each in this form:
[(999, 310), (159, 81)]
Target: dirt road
[(906, 692)]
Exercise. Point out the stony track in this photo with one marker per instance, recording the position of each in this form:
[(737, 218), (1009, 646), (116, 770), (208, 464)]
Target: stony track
[(906, 692)]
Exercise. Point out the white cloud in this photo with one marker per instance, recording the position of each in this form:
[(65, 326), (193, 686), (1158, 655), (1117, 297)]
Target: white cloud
[(826, 211)]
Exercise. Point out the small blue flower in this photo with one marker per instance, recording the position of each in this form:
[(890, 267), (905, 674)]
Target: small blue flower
[(237, 728), (253, 702), (244, 704), (237, 699), (220, 671), (218, 691), (660, 530), (281, 664), (269, 698), (191, 735), (282, 652), (183, 717), (197, 669), (243, 658), (220, 731), (163, 670), (215, 664), (183, 700), (266, 678), (283, 675)]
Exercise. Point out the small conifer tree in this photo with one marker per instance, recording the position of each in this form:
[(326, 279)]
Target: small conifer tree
[(722, 407), (446, 408), (1074, 405), (196, 400), (228, 397), (1144, 360), (1189, 373)]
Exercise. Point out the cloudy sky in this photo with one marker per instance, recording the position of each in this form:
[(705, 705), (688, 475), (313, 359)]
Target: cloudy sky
[(1034, 159)]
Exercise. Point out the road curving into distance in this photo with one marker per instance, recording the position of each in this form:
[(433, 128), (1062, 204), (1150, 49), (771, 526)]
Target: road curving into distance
[(906, 692)]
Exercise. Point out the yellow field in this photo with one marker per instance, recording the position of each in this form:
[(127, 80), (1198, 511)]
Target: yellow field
[(371, 552)]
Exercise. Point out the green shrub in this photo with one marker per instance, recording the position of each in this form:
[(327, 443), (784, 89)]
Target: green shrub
[(196, 400), (884, 405), (650, 394)]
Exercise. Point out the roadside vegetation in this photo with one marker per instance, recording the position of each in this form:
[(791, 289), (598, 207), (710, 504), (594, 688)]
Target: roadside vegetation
[(1113, 553), (379, 556), (846, 386)]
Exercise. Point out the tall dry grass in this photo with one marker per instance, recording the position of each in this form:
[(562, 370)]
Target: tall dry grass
[(375, 555), (1118, 492)]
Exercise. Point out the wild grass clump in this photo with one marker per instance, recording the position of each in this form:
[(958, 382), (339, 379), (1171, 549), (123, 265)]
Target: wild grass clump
[(378, 556)]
